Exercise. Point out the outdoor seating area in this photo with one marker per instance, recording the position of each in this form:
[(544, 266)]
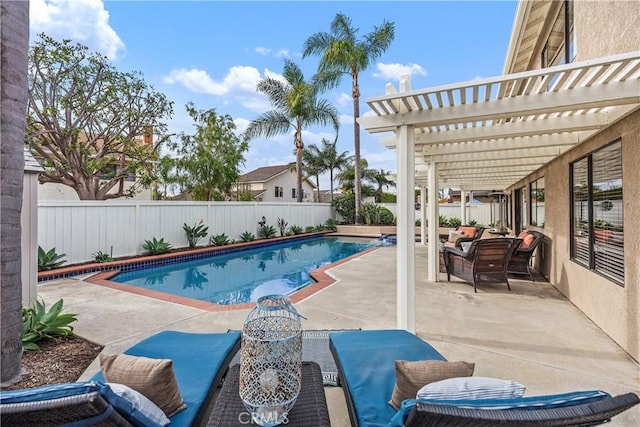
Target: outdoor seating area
[(520, 261), (381, 373), (485, 261)]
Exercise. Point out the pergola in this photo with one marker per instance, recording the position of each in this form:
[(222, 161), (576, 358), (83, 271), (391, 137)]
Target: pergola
[(488, 134)]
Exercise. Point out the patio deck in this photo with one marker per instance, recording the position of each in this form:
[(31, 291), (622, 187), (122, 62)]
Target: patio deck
[(532, 334)]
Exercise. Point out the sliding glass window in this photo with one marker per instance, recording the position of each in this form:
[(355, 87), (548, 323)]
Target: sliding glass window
[(536, 195), (597, 212)]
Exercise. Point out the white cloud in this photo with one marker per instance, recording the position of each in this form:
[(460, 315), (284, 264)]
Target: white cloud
[(262, 50), (83, 21), (394, 71), (238, 79), (344, 99), (241, 124), (346, 119), (381, 159), (282, 53)]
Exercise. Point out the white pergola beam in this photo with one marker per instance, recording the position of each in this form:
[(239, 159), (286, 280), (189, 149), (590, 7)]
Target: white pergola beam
[(596, 96), (530, 142)]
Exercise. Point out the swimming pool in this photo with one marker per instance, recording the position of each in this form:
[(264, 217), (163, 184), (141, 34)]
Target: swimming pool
[(246, 275)]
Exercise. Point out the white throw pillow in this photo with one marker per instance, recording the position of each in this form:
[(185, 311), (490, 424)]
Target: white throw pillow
[(140, 403), (471, 388)]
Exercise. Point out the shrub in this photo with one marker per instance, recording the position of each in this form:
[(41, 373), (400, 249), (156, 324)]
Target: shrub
[(247, 236), (319, 227), (473, 222), (331, 224), (309, 229), (49, 260), (345, 207), (455, 222), (442, 221), (386, 216), (282, 225), (388, 198), (195, 233), (267, 231), (219, 240), (296, 229), (101, 257), (155, 247), (370, 213), (39, 324)]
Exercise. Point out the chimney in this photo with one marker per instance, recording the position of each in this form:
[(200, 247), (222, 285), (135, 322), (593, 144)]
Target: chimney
[(148, 135)]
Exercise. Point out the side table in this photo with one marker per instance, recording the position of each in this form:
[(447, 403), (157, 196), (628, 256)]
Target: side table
[(310, 408)]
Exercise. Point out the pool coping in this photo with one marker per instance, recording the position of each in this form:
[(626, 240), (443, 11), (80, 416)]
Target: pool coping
[(320, 276)]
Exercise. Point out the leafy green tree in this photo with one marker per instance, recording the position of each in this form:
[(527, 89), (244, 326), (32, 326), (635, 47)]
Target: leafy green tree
[(209, 161), (296, 106), (334, 161), (341, 53), (86, 121), (379, 177), (14, 42), (313, 164)]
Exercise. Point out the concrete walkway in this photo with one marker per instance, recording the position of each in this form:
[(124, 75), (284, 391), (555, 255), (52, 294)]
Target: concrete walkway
[(532, 334)]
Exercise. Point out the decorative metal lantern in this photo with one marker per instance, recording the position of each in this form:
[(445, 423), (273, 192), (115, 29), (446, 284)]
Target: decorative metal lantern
[(271, 360)]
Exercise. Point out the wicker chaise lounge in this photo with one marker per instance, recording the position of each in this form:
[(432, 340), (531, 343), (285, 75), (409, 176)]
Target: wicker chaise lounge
[(365, 362), (199, 362)]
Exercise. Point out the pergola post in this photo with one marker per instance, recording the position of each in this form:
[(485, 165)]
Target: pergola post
[(463, 206), (433, 252), (405, 224), (423, 214)]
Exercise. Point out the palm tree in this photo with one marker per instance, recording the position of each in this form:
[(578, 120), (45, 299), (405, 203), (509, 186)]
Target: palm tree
[(342, 53), (296, 107), (347, 178), (333, 160), (313, 164), (381, 180), (14, 39)]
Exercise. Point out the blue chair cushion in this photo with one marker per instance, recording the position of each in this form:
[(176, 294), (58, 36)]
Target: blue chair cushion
[(136, 415), (533, 402), (196, 357), (367, 360)]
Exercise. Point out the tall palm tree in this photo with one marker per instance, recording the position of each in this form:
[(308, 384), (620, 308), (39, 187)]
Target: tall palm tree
[(333, 160), (342, 53), (381, 180), (296, 106), (14, 40), (313, 164), (347, 178)]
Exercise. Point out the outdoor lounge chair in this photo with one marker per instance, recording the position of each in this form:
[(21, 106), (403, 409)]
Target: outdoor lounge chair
[(470, 232), (366, 370), (520, 260), (199, 363), (485, 261)]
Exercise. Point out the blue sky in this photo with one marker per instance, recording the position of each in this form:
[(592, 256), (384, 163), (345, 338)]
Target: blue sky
[(213, 53)]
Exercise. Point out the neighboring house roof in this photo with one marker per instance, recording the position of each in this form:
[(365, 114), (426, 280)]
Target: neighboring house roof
[(30, 163), (267, 173)]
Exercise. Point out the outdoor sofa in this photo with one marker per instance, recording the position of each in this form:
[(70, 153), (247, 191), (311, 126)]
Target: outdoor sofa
[(199, 361), (367, 373)]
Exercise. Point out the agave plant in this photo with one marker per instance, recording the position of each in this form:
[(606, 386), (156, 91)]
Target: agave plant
[(155, 247), (247, 236), (267, 231), (219, 240), (102, 257), (49, 260), (296, 229), (39, 324)]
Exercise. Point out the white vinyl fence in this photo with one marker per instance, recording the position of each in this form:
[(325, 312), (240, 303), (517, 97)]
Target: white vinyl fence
[(81, 228), (482, 213)]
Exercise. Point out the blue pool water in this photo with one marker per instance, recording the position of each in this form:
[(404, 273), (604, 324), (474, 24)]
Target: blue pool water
[(246, 275)]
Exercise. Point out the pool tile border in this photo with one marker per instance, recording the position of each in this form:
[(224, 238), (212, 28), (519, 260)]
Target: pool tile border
[(321, 278), (147, 261)]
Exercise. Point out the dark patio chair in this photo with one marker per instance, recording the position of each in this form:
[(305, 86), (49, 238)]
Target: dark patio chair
[(485, 262), (471, 233), (521, 258)]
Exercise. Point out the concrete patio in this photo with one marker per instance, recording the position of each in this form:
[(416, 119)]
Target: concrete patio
[(532, 334)]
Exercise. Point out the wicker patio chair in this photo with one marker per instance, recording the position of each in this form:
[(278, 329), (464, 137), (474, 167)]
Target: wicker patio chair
[(485, 261), (521, 258)]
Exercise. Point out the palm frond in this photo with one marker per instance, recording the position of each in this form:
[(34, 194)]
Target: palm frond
[(276, 91), (268, 124)]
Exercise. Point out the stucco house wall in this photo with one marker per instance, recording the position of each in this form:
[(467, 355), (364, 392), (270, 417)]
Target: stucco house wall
[(602, 28), (287, 181)]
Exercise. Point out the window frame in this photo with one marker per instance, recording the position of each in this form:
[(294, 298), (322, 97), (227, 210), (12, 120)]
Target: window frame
[(279, 191), (533, 202), (591, 242)]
